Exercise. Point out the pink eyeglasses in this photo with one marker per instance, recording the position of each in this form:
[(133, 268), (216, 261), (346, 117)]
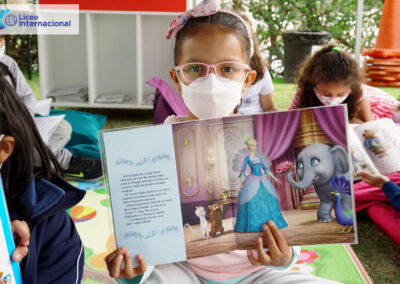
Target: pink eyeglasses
[(226, 70)]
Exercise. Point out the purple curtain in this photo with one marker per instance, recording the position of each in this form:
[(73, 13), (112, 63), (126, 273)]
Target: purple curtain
[(275, 132), (332, 122), (289, 198)]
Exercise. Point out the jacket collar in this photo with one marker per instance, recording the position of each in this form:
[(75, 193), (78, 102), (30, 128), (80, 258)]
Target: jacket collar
[(42, 196)]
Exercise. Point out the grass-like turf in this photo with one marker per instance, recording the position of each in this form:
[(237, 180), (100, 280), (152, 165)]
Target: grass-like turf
[(378, 253)]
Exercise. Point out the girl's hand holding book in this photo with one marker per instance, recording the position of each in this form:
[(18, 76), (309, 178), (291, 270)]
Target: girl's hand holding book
[(22, 235), (278, 254), (114, 262)]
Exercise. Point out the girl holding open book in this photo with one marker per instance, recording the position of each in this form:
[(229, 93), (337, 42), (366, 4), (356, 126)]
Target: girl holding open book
[(212, 52)]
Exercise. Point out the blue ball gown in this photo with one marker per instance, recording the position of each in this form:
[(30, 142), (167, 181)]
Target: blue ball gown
[(257, 202)]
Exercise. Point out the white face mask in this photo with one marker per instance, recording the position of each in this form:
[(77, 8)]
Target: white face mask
[(330, 101), (3, 49), (212, 97)]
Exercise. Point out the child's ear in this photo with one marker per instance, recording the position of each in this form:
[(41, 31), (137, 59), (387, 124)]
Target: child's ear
[(251, 76), (6, 148), (174, 77)]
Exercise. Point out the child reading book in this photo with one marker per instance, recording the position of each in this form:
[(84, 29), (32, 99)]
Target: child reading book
[(331, 77), (258, 97), (75, 167), (37, 194), (212, 52)]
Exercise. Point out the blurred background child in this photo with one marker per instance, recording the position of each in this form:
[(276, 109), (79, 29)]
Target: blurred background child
[(331, 77), (74, 167), (258, 97)]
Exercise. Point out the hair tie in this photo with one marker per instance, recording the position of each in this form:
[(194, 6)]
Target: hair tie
[(335, 48), (204, 8)]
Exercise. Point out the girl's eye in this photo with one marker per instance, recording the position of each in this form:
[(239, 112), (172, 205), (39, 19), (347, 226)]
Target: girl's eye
[(300, 165), (228, 69), (194, 68), (314, 161)]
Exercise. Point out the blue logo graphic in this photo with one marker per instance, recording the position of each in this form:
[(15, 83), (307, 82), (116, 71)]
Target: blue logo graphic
[(2, 14), (11, 20)]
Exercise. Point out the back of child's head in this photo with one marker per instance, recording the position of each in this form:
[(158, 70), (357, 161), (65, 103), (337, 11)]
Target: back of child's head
[(329, 64), (30, 156), (226, 21)]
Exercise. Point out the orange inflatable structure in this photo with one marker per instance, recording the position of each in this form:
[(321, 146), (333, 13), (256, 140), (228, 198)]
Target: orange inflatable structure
[(382, 65)]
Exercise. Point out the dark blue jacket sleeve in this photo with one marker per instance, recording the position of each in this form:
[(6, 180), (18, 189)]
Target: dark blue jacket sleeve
[(392, 191), (60, 254)]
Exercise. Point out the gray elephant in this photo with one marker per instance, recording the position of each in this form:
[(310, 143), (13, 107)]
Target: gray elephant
[(317, 165)]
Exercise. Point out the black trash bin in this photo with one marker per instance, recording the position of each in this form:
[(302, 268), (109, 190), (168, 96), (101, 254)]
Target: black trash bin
[(297, 45)]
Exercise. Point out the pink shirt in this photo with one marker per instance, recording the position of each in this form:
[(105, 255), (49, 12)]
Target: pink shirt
[(382, 104), (220, 267)]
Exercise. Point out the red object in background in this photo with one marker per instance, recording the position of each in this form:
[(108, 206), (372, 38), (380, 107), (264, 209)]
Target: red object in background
[(378, 207), (386, 52), (125, 5), (389, 26)]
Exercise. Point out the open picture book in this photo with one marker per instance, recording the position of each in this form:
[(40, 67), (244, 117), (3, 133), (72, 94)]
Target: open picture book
[(10, 272), (206, 187), (375, 147)]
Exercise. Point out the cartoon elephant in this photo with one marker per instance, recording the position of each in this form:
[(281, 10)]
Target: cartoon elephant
[(317, 165)]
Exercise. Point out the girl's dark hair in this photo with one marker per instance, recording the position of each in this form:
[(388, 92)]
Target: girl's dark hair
[(30, 157), (226, 21), (330, 65), (5, 70), (256, 61)]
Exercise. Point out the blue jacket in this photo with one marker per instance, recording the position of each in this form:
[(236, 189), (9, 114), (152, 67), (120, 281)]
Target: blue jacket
[(55, 249), (392, 191)]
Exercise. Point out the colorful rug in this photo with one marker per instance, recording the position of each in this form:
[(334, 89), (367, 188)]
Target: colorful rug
[(91, 217)]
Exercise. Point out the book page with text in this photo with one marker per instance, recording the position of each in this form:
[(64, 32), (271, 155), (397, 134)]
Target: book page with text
[(143, 186)]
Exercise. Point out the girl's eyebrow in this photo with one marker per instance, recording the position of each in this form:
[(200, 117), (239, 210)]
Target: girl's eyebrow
[(195, 59)]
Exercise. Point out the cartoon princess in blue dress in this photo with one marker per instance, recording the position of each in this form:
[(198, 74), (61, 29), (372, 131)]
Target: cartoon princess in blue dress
[(257, 202)]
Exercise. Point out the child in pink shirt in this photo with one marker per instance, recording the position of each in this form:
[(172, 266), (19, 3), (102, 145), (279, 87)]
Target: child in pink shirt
[(212, 52)]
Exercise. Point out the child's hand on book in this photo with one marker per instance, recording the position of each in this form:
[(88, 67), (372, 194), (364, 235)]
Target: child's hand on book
[(278, 254), (22, 235), (373, 179), (114, 262)]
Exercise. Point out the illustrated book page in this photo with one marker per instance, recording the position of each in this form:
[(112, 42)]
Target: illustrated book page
[(381, 141), (360, 160), (206, 187)]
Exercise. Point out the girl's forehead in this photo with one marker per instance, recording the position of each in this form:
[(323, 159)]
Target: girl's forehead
[(211, 45), (334, 85)]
